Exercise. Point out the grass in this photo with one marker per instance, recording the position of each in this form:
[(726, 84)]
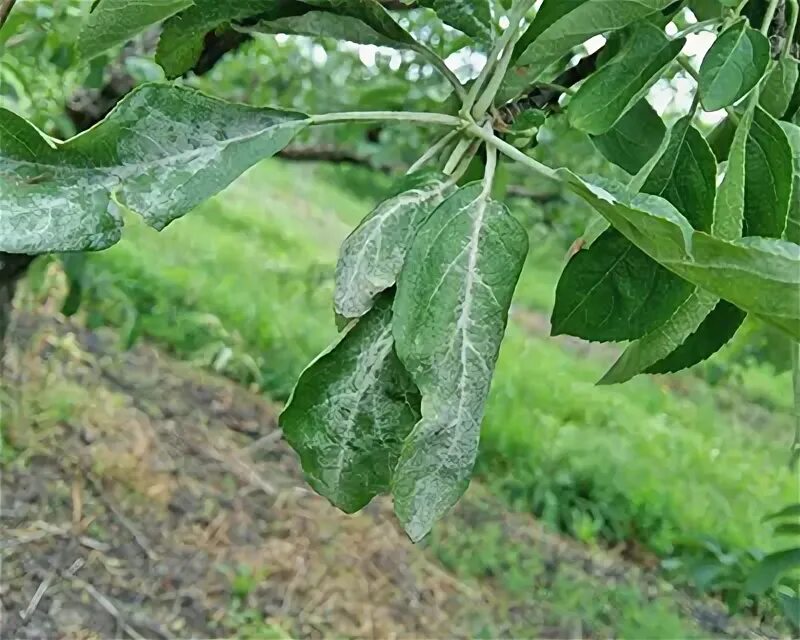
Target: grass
[(243, 285), (548, 588)]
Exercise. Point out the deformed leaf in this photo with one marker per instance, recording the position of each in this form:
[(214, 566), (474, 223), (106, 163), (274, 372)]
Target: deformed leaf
[(351, 410), (634, 139), (182, 37), (451, 312), (733, 66), (162, 151), (114, 22), (373, 255), (473, 17), (613, 90), (360, 21), (759, 275), (770, 568), (613, 292)]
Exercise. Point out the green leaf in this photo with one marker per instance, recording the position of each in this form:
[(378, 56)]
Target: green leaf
[(360, 21), (732, 197), (685, 174), (634, 139), (182, 37), (566, 26), (792, 511), (373, 255), (451, 312), (733, 66), (613, 90), (720, 138), (642, 355), (74, 265), (759, 275), (114, 22), (770, 568), (351, 410), (768, 178), (162, 151), (613, 292), (776, 94), (473, 17), (794, 104), (716, 330), (550, 12), (706, 9), (790, 606), (788, 529), (792, 231)]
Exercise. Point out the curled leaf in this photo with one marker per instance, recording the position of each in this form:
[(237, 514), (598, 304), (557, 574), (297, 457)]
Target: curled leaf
[(451, 312)]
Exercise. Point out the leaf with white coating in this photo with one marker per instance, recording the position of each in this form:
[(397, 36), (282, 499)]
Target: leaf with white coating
[(114, 22), (373, 255), (351, 410), (162, 151), (451, 312)]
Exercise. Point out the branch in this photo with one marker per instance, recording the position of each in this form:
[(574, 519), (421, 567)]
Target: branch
[(87, 107), (517, 191), (5, 10), (329, 153), (546, 97), (397, 5)]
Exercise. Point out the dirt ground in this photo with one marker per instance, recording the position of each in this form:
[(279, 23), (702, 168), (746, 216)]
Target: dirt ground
[(146, 499)]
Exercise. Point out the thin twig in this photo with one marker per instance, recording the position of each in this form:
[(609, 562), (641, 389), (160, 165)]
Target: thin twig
[(109, 607), (37, 597), (137, 535), (5, 10), (264, 442)]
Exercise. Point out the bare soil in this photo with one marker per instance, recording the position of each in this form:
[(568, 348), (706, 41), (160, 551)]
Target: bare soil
[(145, 498)]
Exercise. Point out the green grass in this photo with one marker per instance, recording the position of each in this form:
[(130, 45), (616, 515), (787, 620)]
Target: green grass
[(244, 285), (636, 461), (551, 595)]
